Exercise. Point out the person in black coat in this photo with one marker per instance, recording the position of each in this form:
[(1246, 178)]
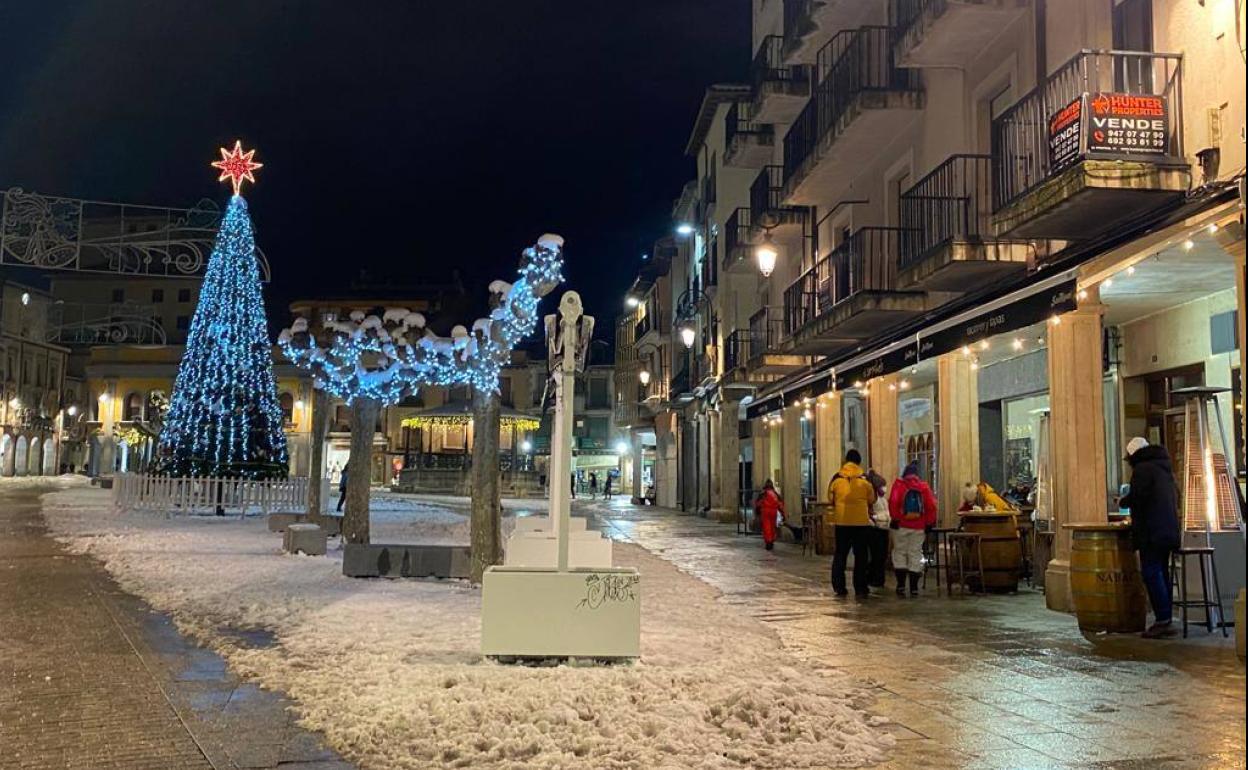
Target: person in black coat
[(1154, 504)]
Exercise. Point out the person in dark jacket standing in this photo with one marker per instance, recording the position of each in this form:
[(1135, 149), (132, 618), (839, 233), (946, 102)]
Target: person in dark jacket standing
[(1154, 504)]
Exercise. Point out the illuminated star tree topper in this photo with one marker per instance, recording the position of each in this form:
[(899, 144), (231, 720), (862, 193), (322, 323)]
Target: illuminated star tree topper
[(236, 165)]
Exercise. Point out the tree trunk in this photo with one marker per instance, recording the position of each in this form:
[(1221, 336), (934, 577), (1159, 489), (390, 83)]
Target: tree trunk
[(485, 525), (364, 413), (316, 453)]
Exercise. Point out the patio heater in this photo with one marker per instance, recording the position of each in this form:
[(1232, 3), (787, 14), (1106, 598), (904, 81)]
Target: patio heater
[(1210, 505)]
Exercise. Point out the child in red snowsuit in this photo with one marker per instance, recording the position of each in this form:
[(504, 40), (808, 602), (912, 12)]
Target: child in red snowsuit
[(768, 507)]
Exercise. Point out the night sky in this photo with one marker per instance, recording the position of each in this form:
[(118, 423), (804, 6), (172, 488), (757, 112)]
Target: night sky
[(408, 138)]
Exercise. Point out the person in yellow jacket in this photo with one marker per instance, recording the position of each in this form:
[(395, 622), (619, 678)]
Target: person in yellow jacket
[(851, 496)]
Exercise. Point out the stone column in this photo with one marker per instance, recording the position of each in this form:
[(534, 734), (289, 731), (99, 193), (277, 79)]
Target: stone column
[(790, 480), (957, 439), (761, 469), (883, 427), (829, 449), (1077, 435), (638, 449), (728, 460)]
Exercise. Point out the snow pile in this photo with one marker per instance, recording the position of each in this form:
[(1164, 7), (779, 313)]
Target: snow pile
[(390, 671)]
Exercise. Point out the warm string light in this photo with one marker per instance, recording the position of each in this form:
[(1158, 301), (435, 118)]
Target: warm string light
[(224, 417), (524, 423)]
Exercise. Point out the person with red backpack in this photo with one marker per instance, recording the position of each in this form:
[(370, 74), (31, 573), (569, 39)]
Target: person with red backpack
[(912, 510), (769, 507)]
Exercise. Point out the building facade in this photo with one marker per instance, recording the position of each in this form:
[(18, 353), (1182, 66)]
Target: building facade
[(995, 239), (36, 396)]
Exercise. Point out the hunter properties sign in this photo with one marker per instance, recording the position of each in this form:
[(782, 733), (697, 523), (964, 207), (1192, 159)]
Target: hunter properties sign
[(1110, 123)]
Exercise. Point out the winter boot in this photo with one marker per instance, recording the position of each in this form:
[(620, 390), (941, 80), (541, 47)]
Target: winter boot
[(901, 582), (914, 583)]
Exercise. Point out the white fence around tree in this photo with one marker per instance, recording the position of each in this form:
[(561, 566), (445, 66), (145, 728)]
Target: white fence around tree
[(168, 495)]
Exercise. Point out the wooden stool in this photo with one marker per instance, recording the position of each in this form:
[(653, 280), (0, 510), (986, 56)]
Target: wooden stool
[(963, 545), (1204, 558), (935, 542)]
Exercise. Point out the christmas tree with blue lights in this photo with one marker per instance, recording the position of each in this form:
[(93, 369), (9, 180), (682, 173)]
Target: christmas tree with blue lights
[(224, 418)]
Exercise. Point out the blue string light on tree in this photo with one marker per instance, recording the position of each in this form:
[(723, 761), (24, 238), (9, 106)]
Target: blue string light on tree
[(390, 356), (224, 418)]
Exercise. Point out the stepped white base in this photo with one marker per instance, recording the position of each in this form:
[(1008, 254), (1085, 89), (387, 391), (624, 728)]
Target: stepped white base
[(541, 613), (541, 549)]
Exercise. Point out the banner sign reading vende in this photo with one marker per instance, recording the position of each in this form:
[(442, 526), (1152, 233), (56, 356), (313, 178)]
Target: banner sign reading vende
[(1064, 135), (1127, 123), (1107, 122)]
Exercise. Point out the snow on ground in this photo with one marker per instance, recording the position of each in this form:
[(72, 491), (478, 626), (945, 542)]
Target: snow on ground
[(390, 671)]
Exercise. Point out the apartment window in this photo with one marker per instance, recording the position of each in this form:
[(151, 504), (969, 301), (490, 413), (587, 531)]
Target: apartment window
[(184, 295), (505, 394), (134, 407), (183, 322), (896, 186), (119, 295), (287, 404), (158, 295), (598, 398)]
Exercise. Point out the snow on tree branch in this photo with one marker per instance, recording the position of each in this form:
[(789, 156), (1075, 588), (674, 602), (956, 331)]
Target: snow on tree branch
[(393, 355)]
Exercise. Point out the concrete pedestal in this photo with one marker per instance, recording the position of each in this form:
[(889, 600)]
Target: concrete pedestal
[(304, 538), (538, 613), (541, 549)]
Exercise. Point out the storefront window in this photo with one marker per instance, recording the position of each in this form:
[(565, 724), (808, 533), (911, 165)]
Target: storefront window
[(854, 423), (1022, 442)]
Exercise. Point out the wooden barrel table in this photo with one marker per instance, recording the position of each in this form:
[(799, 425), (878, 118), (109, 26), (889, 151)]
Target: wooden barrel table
[(1000, 545), (1105, 584)]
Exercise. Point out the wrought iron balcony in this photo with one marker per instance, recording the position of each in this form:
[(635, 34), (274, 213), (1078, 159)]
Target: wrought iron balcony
[(947, 240), (849, 294), (949, 33), (767, 207), (809, 24), (739, 241), (1099, 142), (779, 88), (747, 142), (855, 108)]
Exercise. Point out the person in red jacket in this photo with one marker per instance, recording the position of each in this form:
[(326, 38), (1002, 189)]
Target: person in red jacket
[(912, 510), (768, 507)]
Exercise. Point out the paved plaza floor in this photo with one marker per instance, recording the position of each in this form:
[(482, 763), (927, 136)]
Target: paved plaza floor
[(91, 677), (976, 681)]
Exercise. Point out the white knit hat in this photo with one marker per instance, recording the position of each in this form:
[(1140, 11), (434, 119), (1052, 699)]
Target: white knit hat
[(1136, 444)]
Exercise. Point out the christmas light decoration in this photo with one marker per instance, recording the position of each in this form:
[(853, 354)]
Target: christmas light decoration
[(391, 356), (237, 166), (224, 419), (523, 423)]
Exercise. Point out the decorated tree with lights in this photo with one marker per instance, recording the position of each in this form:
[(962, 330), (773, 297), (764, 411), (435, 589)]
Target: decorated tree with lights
[(371, 360), (224, 419)]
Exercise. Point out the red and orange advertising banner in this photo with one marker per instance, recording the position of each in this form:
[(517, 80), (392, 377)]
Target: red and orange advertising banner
[(1109, 123)]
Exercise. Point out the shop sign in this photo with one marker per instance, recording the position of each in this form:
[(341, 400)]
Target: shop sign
[(812, 389), (1025, 312), (893, 361), (766, 406), (1131, 124)]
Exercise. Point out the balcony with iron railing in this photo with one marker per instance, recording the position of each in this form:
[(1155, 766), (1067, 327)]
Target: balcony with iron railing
[(768, 209), (861, 101), (780, 89), (740, 238), (1099, 142), (949, 33), (947, 241), (748, 142), (809, 24), (757, 354), (849, 294)]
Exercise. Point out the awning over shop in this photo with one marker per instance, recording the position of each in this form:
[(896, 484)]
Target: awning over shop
[(1013, 311)]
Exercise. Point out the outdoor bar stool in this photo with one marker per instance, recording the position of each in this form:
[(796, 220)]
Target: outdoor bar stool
[(1178, 576), (963, 545), (934, 544)]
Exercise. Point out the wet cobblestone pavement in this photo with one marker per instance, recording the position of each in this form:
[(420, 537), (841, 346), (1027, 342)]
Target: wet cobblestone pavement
[(90, 677), (976, 681)]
